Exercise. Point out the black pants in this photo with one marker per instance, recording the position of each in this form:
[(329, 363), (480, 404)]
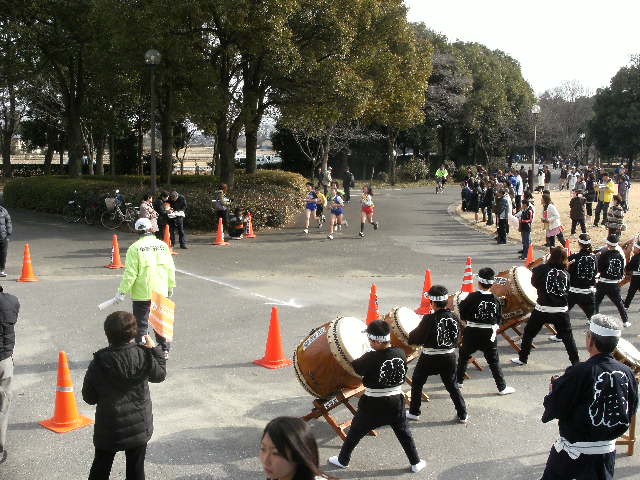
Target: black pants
[(551, 241), (589, 207), (586, 467), (604, 208), (587, 302), (347, 192), (518, 202), (489, 215), (562, 324), (480, 339), (103, 460), (443, 365), (4, 247), (160, 232), (178, 225), (141, 312), (503, 229), (575, 223), (634, 286), (611, 290), (363, 422)]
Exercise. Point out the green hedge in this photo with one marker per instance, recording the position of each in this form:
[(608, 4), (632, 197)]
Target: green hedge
[(273, 196)]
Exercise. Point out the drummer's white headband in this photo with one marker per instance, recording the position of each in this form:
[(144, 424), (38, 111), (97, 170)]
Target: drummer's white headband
[(486, 281), (604, 331), (612, 244), (443, 298), (382, 339), (584, 242)]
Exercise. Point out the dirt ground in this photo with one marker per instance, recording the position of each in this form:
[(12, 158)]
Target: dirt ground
[(561, 201)]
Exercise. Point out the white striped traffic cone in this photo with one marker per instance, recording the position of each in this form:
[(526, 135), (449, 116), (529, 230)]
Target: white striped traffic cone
[(467, 281)]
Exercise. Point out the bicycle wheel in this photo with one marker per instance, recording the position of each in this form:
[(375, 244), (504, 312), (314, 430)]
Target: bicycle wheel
[(110, 220), (72, 213), (91, 215), (130, 217)]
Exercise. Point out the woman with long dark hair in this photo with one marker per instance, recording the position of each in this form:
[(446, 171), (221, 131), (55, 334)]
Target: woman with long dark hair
[(288, 451)]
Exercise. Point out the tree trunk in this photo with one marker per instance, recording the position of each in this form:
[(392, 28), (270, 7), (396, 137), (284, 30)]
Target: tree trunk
[(100, 155), (215, 161), (140, 149), (48, 155), (6, 153), (391, 158), (166, 134), (112, 154), (326, 145), (251, 137), (61, 154), (74, 133)]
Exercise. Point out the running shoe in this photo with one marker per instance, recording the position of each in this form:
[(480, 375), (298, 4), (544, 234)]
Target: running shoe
[(507, 391), (306, 230), (334, 461), (376, 225), (361, 234), (330, 236), (418, 466)]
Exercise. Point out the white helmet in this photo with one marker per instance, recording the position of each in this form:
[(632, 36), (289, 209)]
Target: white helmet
[(142, 225)]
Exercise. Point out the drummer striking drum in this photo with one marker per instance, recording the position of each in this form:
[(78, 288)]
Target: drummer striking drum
[(611, 266), (551, 281), (482, 311), (383, 372), (594, 402), (439, 334)]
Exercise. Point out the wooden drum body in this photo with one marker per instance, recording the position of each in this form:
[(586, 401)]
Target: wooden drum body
[(514, 289), (626, 353), (322, 361), (402, 321)]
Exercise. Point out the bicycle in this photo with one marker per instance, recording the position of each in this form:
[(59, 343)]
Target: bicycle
[(73, 211), (93, 210), (114, 217), (440, 186)]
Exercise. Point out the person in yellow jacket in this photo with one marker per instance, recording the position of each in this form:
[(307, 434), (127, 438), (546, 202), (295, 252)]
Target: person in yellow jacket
[(606, 190), (149, 267)]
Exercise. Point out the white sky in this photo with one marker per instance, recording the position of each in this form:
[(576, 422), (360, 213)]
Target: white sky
[(554, 40)]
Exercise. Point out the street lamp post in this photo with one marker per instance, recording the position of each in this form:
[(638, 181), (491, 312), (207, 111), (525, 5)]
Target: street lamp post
[(535, 111), (582, 137), (152, 58)]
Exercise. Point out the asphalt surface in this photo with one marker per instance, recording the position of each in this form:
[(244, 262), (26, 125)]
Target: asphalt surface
[(210, 411)]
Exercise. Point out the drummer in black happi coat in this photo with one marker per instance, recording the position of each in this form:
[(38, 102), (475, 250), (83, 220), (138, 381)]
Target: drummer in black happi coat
[(594, 402), (611, 265), (439, 335), (482, 312), (383, 372)]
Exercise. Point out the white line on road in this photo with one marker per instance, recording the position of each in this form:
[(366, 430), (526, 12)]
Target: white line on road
[(270, 301)]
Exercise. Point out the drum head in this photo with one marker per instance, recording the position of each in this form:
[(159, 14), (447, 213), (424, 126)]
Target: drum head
[(522, 277), (629, 352), (407, 320), (350, 335)]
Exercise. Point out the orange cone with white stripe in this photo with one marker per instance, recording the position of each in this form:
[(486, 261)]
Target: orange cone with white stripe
[(567, 246), (530, 258), (373, 313), (65, 417), (116, 262), (250, 232), (220, 235), (425, 303), (467, 280), (167, 239)]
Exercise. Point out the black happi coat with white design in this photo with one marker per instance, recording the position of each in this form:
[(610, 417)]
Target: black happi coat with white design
[(440, 329), (481, 307), (583, 270), (593, 400), (611, 265), (382, 369), (552, 284)]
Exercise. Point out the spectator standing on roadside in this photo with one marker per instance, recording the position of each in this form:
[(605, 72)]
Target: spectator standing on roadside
[(325, 180), (6, 229), (161, 206), (547, 178), (563, 178), (178, 206), (117, 382), (590, 195), (147, 211), (540, 186), (576, 212), (605, 190), (148, 268), (348, 181), (525, 219), (489, 200), (615, 217), (222, 205), (502, 216), (519, 190), (9, 310), (572, 179), (624, 184), (551, 219)]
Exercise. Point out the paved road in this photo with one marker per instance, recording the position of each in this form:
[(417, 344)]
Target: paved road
[(210, 412)]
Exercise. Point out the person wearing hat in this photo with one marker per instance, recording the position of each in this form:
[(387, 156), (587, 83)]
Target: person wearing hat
[(383, 371), (439, 335), (551, 281), (594, 403), (149, 268), (605, 190), (633, 269), (482, 312), (611, 266)]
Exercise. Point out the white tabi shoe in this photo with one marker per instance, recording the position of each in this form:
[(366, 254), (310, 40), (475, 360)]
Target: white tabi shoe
[(517, 361), (460, 385), (418, 466), (463, 420), (411, 416), (334, 461), (554, 338), (627, 324), (507, 391)]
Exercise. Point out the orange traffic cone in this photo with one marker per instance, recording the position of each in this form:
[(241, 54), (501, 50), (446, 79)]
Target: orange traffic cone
[(467, 280), (167, 239), (220, 234), (530, 258), (425, 303), (27, 268), (66, 416), (250, 233), (274, 353), (373, 313), (567, 246), (115, 254)]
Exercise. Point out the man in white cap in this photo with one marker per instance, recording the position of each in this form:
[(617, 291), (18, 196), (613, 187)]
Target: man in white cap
[(149, 267), (594, 402)]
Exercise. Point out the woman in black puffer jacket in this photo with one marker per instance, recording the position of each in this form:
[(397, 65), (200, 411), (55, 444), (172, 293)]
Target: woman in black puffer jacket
[(116, 381)]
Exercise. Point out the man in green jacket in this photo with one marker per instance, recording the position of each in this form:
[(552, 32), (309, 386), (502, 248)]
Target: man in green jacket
[(149, 267)]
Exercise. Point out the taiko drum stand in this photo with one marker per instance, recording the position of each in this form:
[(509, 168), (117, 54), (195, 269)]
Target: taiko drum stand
[(513, 324)]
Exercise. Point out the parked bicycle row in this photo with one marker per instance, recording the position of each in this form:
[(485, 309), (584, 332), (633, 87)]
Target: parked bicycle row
[(110, 210)]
